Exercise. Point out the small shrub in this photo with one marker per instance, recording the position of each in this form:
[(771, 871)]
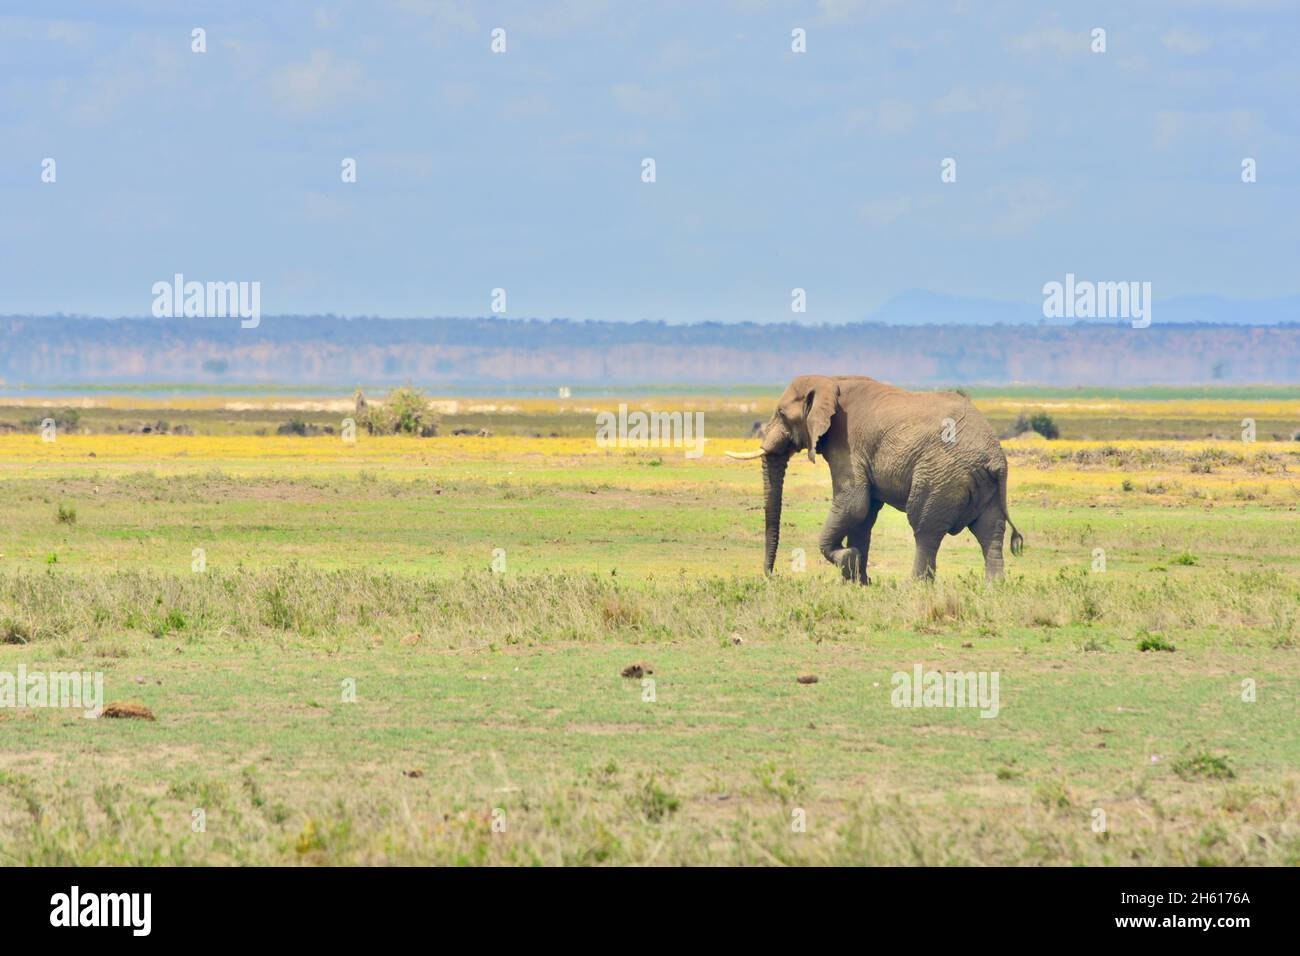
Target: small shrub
[(1089, 608), (1044, 424), (294, 426), (66, 515), (15, 632), (64, 421), (406, 411), (784, 785), (1203, 766), (1053, 795), (1154, 642), (1019, 426), (654, 802), (277, 612), (173, 621)]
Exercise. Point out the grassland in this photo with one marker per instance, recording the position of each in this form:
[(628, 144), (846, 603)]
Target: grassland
[(1103, 414), (491, 722)]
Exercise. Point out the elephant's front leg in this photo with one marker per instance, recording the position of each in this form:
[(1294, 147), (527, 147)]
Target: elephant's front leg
[(859, 539), (849, 511)]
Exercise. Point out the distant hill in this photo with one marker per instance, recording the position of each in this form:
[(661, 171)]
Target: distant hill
[(932, 308), (334, 351)]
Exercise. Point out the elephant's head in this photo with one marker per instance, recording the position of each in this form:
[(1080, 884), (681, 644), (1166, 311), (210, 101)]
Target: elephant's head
[(803, 414)]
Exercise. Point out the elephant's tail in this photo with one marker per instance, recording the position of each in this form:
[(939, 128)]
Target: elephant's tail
[(1017, 539)]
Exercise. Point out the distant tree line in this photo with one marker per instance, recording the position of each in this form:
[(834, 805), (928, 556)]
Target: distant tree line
[(328, 349)]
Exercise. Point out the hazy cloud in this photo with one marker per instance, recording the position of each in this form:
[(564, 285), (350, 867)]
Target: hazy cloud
[(1173, 125), (842, 10), (1183, 41), (319, 207), (74, 34), (1009, 104), (636, 100), (1055, 40), (528, 106), (316, 86), (449, 14), (895, 117), (1016, 208), (324, 18), (884, 212)]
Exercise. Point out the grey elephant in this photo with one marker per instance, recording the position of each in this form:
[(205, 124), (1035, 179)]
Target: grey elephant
[(928, 454)]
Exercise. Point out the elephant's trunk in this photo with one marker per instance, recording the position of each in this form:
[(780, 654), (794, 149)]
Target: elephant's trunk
[(773, 484)]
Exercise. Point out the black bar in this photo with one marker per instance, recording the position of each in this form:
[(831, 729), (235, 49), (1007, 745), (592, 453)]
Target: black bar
[(215, 906)]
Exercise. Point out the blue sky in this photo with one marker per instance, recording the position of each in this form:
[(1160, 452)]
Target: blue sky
[(522, 170)]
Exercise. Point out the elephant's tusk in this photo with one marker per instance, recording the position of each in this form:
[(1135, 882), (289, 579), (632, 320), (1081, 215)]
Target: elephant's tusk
[(746, 455)]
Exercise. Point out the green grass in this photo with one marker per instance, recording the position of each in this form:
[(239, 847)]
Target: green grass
[(491, 724), (616, 514), (1087, 412), (254, 731)]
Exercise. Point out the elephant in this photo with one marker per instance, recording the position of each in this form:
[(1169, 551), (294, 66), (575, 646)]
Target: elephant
[(931, 455)]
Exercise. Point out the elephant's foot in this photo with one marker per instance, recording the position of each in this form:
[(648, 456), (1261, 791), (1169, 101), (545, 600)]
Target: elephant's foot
[(852, 566), (859, 573)]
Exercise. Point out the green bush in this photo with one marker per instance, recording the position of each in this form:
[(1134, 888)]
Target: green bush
[(65, 421), (1043, 423), (1203, 766), (294, 426), (1040, 422), (406, 411), (1153, 642)]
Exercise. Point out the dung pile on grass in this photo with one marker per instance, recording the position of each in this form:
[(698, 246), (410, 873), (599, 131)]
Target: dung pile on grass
[(127, 709)]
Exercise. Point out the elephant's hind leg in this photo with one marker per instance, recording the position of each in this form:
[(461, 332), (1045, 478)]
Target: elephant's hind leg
[(930, 515), (849, 511), (927, 548), (989, 529)]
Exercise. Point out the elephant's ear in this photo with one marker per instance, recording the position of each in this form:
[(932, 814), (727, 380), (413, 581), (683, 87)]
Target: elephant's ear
[(820, 402)]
